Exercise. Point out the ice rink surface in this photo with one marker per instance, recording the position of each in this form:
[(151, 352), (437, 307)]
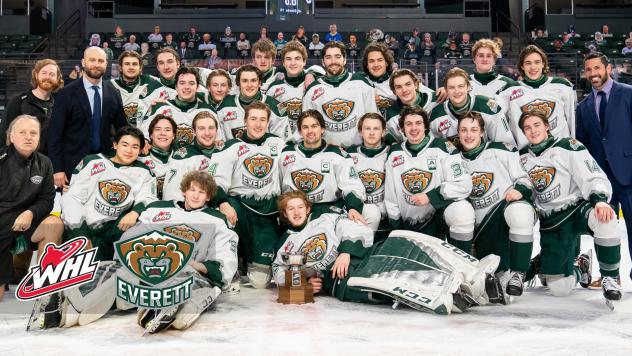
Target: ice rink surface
[(252, 323)]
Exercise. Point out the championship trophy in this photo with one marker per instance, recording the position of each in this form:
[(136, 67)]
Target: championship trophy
[(296, 289)]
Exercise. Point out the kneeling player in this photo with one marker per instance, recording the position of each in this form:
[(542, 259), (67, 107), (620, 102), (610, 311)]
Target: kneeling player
[(572, 195), (415, 269), (500, 189)]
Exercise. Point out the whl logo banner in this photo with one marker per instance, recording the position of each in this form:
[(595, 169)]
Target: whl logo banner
[(60, 267), (155, 258)]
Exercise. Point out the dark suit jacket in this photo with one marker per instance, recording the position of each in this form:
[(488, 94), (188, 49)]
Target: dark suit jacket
[(614, 143), (71, 124), (190, 53)]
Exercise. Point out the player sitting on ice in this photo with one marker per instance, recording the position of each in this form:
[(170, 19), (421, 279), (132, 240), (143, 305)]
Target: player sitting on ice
[(212, 264), (571, 194), (415, 269)]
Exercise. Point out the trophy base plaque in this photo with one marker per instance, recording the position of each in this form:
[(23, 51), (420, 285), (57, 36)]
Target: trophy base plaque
[(296, 289)]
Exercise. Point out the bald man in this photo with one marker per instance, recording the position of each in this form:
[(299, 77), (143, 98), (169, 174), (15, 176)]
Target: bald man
[(83, 116)]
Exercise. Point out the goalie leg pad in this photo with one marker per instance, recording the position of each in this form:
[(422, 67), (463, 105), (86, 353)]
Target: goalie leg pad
[(201, 300)]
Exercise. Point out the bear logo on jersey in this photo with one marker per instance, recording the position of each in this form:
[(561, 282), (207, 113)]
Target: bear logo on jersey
[(184, 231), (338, 109), (238, 132), (131, 113), (481, 182), (184, 134), (415, 180), (292, 108), (541, 177), (383, 103), (259, 165), (314, 248), (372, 180), (545, 106), (114, 191), (307, 180)]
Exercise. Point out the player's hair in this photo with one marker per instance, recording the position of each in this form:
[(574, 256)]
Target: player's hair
[(414, 110), (534, 112), (16, 120), (294, 45), (286, 197), (257, 105), (456, 72), (371, 115), (602, 57), (377, 47), (126, 54), (204, 115), (529, 50), (157, 119), (41, 64), (130, 131), (168, 50), (486, 43), (202, 179), (264, 46), (248, 68), (313, 114), (219, 73), (400, 73), (335, 44), (474, 116), (186, 70)]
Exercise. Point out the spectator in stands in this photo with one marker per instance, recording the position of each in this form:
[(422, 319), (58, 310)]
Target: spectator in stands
[(333, 34), (118, 39), (539, 33), (243, 46), (412, 52), (558, 47), (192, 38), (567, 40), (449, 40), (627, 50), (572, 31), (316, 46), (109, 54), (605, 31), (466, 45), (630, 34), (213, 60), (169, 42), (280, 42), (393, 45), (131, 45), (600, 40), (228, 41), (453, 53), (145, 56), (74, 74), (500, 44), (300, 36), (95, 40), (155, 37), (352, 47), (206, 46), (427, 47), (184, 52), (263, 33), (416, 36)]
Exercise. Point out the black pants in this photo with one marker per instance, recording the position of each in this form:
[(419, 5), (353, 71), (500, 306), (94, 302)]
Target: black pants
[(6, 260)]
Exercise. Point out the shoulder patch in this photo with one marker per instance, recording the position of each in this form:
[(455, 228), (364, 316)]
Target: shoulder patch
[(485, 105), (503, 146), (444, 145), (570, 144)]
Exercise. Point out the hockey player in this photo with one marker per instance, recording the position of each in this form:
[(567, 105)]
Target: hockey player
[(427, 184), (377, 64), (501, 198), (444, 118), (368, 159), (410, 92), (248, 170), (212, 264), (134, 86), (553, 95), (342, 98), (218, 84), (485, 81), (107, 193), (162, 130), (415, 269), (182, 108), (263, 55), (167, 63), (571, 194), (232, 109), (322, 171)]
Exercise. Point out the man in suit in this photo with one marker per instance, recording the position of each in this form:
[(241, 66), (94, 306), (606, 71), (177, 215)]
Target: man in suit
[(604, 125), (83, 116), (186, 53)]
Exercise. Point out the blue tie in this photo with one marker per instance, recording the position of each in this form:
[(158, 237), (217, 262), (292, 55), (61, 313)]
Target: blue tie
[(602, 109), (96, 121)]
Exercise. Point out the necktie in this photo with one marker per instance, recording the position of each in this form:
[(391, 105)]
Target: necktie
[(96, 121), (602, 109)]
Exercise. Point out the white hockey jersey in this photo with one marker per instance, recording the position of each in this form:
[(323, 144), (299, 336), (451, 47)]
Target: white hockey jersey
[(133, 94), (321, 240), (289, 94), (215, 244), (249, 169), (101, 191), (167, 91), (555, 96), (426, 99), (341, 101), (495, 86), (370, 166), (326, 174), (268, 78), (444, 123), (436, 170), (495, 168), (157, 160), (232, 114)]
